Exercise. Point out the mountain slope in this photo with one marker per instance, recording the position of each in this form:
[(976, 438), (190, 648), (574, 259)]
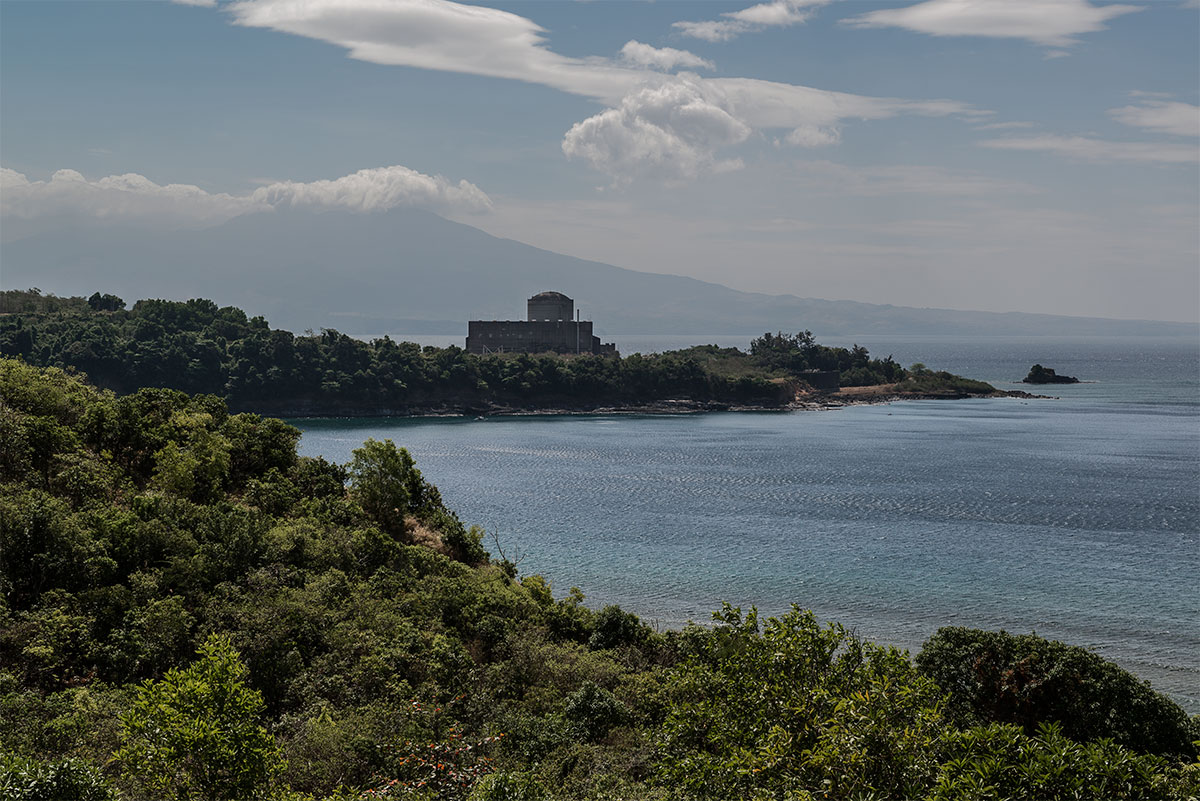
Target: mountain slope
[(410, 271)]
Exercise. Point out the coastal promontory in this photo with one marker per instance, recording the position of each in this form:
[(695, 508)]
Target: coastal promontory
[(197, 347)]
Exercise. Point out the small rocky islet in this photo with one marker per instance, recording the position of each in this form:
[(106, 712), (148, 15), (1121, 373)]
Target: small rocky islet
[(1045, 375)]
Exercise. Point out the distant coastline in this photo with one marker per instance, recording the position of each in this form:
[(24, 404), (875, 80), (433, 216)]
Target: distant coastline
[(200, 348)]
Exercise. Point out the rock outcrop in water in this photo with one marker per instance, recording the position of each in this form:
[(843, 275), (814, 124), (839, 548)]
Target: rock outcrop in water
[(1045, 375)]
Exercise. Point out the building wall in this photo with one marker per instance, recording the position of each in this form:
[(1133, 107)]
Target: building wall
[(533, 336), (560, 308)]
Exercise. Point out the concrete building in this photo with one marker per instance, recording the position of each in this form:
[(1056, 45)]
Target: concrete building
[(552, 325)]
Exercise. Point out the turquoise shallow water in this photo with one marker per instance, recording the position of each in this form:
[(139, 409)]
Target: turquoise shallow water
[(1078, 518)]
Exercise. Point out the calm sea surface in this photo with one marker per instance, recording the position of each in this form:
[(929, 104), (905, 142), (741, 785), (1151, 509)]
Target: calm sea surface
[(1077, 518)]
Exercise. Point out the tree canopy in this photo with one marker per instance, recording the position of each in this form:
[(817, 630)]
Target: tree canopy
[(197, 347), (190, 609)]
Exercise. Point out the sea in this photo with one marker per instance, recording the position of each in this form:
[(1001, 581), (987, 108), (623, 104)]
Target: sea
[(1076, 517)]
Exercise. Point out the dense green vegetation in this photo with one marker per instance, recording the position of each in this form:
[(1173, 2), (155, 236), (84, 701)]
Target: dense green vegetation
[(1028, 681), (196, 347), (189, 610)]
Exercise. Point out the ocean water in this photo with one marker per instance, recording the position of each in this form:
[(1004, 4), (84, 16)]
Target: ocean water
[(1076, 517)]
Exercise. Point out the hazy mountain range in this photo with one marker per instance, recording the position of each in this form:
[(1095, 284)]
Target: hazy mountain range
[(409, 271)]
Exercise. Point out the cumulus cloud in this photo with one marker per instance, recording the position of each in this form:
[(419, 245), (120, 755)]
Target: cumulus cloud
[(698, 117), (1089, 149), (750, 20), (813, 136), (443, 35), (671, 131), (133, 197), (661, 58), (1054, 23), (1160, 116)]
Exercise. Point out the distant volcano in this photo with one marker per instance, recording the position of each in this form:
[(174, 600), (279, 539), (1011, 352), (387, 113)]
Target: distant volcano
[(409, 271)]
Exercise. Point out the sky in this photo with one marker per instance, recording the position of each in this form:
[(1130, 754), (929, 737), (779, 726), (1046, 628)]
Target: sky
[(999, 155)]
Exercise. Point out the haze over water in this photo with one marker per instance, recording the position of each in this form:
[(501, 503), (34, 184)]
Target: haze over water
[(1077, 518)]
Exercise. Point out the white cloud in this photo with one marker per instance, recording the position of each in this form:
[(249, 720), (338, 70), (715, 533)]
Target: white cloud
[(1170, 117), (443, 35), (813, 136), (1088, 149), (68, 193), (662, 58), (674, 130), (1054, 23), (448, 36), (378, 189), (137, 198), (699, 116), (750, 20), (766, 104), (440, 35), (671, 132)]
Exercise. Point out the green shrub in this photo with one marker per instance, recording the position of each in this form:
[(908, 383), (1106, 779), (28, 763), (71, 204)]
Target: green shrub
[(382, 476), (614, 627), (69, 779), (793, 708), (592, 712), (195, 734), (1001, 762), (996, 677), (507, 787)]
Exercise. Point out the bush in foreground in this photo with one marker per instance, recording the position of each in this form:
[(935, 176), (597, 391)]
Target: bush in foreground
[(1026, 680)]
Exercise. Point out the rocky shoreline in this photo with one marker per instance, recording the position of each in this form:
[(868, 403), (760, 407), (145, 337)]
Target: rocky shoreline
[(847, 396)]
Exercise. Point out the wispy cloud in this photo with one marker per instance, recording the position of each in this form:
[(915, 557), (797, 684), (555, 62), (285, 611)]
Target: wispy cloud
[(378, 189), (648, 112), (1161, 116), (749, 20), (1054, 23), (1002, 126), (440, 35), (68, 194), (880, 181), (1099, 150)]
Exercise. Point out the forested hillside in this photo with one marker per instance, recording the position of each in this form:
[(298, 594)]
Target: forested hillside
[(195, 346), (189, 610)]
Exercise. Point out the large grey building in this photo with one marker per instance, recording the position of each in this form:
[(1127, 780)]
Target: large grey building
[(551, 326)]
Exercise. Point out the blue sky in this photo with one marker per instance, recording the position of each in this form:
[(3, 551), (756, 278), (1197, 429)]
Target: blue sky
[(1030, 155)]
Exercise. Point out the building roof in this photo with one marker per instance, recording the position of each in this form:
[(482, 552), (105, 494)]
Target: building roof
[(549, 296)]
